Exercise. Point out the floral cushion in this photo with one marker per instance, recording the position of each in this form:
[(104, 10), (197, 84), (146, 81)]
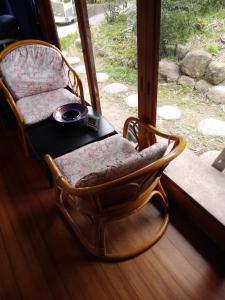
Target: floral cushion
[(106, 160), (94, 157), (33, 69), (124, 167), (39, 107)]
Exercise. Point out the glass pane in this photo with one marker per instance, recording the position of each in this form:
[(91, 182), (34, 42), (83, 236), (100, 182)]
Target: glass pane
[(113, 28), (191, 96), (115, 48)]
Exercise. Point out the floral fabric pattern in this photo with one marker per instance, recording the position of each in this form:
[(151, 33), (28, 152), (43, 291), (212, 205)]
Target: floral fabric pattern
[(106, 160), (39, 107), (94, 157), (33, 69)]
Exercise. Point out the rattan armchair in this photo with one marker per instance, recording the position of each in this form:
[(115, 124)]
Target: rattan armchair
[(91, 203), (36, 79)]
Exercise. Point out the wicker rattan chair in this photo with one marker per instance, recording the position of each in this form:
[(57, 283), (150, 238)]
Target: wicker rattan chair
[(110, 180), (36, 79)]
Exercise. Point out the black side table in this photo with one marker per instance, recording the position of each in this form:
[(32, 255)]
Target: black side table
[(56, 139)]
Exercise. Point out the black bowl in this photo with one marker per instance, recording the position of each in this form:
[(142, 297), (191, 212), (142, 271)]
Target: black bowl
[(70, 113)]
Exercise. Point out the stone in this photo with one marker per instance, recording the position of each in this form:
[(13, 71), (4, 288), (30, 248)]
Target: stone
[(64, 53), (102, 77), (169, 112), (132, 100), (217, 94), (187, 81), (203, 86), (221, 56), (195, 63), (168, 70), (215, 72), (170, 50), (209, 157), (78, 43), (182, 50), (99, 51), (80, 69), (212, 127), (115, 88), (73, 60)]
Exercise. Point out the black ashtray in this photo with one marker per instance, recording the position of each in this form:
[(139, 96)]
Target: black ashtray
[(70, 113)]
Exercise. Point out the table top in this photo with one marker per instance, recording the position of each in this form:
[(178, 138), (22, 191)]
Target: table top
[(57, 139)]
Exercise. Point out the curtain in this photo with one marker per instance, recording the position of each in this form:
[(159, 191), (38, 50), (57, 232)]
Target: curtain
[(25, 12)]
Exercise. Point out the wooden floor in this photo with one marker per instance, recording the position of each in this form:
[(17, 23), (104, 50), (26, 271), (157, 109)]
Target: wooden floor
[(40, 258)]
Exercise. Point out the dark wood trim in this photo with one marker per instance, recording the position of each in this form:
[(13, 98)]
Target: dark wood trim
[(85, 36), (148, 37), (47, 23), (197, 214)]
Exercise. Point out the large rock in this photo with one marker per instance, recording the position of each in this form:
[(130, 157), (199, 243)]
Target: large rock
[(215, 72), (195, 63), (203, 86), (187, 81), (217, 94), (168, 70), (221, 56), (182, 50)]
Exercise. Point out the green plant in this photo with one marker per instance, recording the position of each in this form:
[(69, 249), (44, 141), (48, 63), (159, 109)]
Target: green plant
[(67, 41), (113, 9), (213, 49)]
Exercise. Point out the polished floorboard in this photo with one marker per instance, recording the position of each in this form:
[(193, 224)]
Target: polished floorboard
[(40, 258)]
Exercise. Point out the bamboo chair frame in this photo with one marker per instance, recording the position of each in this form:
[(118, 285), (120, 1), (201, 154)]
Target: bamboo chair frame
[(145, 183), (75, 87)]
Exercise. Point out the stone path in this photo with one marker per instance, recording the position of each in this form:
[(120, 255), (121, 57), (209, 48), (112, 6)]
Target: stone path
[(115, 88), (80, 69), (169, 112), (102, 77), (73, 60), (212, 127), (132, 100)]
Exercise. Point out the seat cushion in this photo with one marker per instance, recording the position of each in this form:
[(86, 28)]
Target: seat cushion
[(39, 107), (124, 167), (94, 157), (106, 160), (33, 69)]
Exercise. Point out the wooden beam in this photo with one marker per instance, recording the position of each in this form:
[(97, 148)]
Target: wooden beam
[(148, 37), (85, 36)]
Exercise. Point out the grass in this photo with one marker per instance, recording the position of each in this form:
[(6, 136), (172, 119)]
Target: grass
[(67, 42), (116, 55), (117, 72)]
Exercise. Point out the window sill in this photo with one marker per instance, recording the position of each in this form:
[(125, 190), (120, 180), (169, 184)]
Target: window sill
[(200, 190)]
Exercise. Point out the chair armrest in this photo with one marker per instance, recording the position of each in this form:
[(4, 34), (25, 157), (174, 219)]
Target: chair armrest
[(75, 81), (179, 141)]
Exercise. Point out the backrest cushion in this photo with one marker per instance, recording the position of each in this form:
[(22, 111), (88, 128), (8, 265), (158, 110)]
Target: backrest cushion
[(33, 69), (133, 163)]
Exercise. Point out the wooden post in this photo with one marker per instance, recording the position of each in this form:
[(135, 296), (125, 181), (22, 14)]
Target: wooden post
[(148, 37), (85, 36)]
